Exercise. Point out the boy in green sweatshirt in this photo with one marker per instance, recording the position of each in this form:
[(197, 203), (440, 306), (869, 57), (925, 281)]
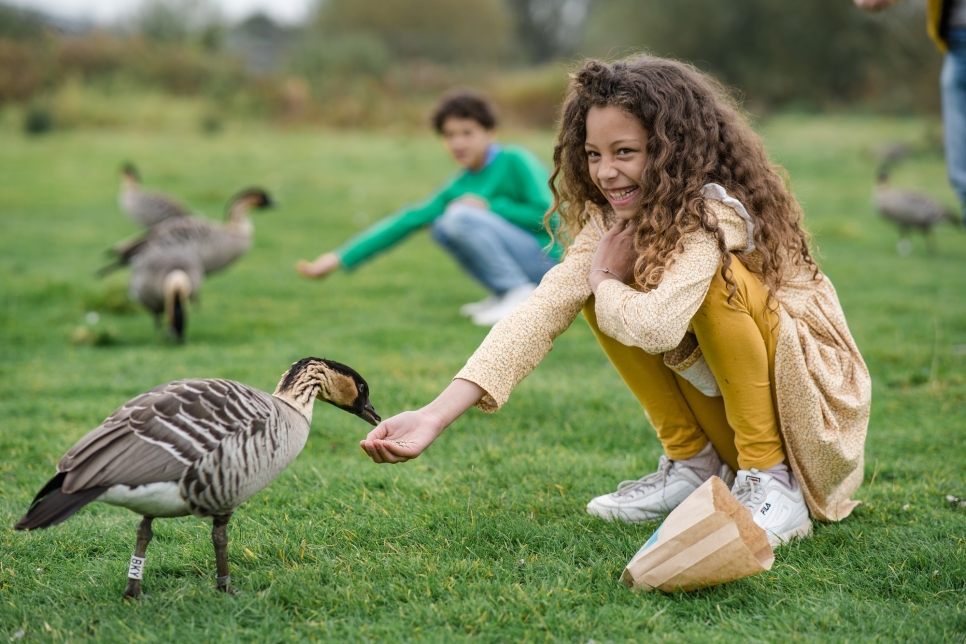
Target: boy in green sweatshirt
[(488, 216)]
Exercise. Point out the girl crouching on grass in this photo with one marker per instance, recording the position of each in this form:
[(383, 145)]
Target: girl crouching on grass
[(688, 258)]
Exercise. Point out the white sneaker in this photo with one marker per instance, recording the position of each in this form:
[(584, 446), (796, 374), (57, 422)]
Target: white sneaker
[(471, 309), (780, 511), (504, 305), (653, 496)]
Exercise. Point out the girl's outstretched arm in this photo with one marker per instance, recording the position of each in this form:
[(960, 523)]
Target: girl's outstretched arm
[(406, 435)]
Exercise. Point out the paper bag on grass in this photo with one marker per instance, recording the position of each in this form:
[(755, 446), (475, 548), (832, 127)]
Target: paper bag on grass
[(709, 539)]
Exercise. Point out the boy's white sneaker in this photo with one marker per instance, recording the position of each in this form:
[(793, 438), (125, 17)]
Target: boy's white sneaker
[(653, 496), (472, 308), (506, 303), (780, 511)]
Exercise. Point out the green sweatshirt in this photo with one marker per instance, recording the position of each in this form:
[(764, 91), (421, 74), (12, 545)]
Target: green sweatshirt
[(514, 183)]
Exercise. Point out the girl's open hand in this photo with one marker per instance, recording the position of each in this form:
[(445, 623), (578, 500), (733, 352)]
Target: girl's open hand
[(616, 253), (402, 437)]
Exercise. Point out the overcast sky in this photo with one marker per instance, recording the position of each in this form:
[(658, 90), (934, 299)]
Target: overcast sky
[(106, 11)]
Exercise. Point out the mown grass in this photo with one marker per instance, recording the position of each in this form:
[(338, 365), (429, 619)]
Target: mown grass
[(485, 536)]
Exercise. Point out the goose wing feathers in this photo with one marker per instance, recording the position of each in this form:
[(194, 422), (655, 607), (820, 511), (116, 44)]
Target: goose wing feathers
[(151, 208), (180, 231), (908, 207), (159, 434), (184, 230), (215, 245)]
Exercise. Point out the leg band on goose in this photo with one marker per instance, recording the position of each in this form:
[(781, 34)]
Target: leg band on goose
[(223, 581), (136, 569)]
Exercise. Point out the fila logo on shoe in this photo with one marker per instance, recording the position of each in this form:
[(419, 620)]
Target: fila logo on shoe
[(765, 508), (754, 478)]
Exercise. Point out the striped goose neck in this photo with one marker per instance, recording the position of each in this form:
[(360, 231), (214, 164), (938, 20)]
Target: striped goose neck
[(301, 384), (238, 214)]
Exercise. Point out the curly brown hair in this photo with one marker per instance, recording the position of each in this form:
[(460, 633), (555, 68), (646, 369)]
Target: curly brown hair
[(697, 134)]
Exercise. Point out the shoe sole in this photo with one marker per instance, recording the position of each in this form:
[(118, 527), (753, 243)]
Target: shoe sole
[(800, 532), (618, 515)]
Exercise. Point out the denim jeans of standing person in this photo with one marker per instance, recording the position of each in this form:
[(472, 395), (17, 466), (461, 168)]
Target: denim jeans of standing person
[(953, 83), (500, 255)]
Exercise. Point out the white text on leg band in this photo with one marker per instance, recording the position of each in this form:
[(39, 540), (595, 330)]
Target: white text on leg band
[(136, 571)]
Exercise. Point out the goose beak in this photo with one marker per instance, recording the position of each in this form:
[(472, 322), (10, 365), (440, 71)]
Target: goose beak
[(369, 414)]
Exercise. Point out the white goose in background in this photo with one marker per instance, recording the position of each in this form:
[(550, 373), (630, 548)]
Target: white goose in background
[(145, 208), (163, 280), (198, 446), (217, 245)]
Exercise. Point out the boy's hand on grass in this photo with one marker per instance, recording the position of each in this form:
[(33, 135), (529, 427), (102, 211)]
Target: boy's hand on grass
[(321, 267), (615, 253), (402, 437)]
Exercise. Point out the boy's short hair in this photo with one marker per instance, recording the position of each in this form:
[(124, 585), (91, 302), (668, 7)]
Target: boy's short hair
[(465, 104)]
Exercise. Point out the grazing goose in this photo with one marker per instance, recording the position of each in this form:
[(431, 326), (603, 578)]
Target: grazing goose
[(217, 245), (145, 208), (163, 280), (199, 446), (908, 209)]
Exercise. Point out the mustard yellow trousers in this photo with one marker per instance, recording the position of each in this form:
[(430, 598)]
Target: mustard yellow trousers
[(738, 341)]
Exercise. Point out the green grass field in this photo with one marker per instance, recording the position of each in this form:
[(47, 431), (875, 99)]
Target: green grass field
[(484, 537)]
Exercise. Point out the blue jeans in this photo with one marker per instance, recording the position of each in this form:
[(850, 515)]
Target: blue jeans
[(953, 84), (501, 255)]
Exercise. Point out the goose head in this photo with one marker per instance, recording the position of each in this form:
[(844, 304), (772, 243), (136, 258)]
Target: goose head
[(312, 379)]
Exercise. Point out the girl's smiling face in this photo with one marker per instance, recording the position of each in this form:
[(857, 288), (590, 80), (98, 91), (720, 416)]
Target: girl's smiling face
[(615, 147)]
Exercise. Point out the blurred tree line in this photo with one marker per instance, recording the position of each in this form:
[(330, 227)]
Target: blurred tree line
[(813, 53), (371, 62)]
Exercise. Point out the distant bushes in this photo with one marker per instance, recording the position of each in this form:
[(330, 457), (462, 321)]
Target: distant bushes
[(102, 58), (22, 71), (531, 97), (37, 119), (814, 54), (373, 63)]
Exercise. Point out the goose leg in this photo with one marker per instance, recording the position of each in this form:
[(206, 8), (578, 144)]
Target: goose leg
[(136, 569), (219, 538)]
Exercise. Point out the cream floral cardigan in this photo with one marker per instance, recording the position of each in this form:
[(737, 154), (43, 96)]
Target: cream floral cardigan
[(822, 384)]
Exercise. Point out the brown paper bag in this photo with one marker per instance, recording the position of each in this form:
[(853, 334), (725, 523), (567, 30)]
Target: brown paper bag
[(709, 539)]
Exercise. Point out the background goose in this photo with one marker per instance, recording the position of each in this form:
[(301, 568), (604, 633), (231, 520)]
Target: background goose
[(145, 208), (217, 245), (908, 209), (200, 446), (163, 280)]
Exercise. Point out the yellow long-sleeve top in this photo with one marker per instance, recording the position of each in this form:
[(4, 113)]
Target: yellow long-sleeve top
[(822, 384)]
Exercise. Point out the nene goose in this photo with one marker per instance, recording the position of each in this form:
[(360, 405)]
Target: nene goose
[(163, 280), (217, 245), (199, 446), (908, 209), (145, 208)]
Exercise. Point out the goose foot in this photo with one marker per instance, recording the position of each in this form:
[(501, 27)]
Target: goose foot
[(904, 247), (133, 590)]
